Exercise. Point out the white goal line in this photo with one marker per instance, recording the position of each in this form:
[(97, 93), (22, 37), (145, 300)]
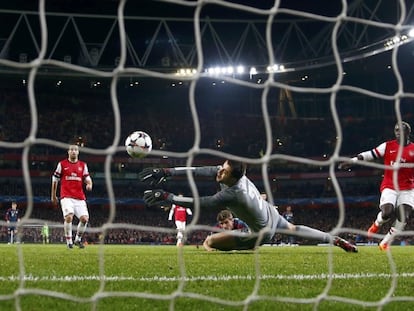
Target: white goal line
[(221, 278)]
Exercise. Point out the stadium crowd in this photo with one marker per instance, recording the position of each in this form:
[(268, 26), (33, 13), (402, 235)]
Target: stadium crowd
[(306, 137)]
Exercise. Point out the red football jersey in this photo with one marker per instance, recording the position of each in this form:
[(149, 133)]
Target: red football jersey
[(405, 175), (180, 213), (72, 176)]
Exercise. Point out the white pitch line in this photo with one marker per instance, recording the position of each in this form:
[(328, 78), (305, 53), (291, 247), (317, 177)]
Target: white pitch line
[(221, 278)]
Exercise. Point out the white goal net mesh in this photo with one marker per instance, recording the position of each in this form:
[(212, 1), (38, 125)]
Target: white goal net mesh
[(290, 89)]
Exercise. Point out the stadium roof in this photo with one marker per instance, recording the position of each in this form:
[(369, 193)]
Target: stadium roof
[(160, 35)]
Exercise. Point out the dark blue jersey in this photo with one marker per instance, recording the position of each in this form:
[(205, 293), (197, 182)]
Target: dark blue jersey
[(12, 215), (288, 216), (240, 225)]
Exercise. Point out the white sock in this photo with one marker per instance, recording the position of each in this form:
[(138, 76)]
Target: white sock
[(380, 221), (67, 228), (398, 227), (80, 230)]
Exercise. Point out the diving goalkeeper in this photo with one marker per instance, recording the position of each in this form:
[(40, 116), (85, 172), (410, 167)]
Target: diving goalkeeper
[(241, 197)]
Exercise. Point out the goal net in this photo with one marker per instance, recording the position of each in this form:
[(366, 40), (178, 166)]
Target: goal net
[(291, 89)]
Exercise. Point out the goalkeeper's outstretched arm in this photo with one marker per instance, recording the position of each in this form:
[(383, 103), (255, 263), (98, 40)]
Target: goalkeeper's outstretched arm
[(155, 176), (222, 198), (197, 171)]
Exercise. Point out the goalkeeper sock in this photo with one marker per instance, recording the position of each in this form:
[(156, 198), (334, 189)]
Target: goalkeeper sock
[(313, 234), (67, 228)]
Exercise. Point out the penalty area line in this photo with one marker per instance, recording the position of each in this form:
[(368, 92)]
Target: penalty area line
[(221, 278)]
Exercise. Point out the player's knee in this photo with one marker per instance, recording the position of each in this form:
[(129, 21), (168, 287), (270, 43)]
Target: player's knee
[(387, 210), (69, 218), (84, 219)]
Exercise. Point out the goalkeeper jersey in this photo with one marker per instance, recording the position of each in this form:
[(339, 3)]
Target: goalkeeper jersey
[(243, 199)]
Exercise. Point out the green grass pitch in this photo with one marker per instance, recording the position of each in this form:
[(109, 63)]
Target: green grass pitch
[(108, 277)]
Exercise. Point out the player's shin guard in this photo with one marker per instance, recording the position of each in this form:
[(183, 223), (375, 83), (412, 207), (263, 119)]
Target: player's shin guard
[(67, 228), (380, 220), (180, 237)]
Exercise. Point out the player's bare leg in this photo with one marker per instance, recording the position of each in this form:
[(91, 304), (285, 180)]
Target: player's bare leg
[(382, 217)]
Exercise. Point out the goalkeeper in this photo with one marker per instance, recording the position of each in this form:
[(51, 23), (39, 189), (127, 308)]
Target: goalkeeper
[(241, 197), (45, 233)]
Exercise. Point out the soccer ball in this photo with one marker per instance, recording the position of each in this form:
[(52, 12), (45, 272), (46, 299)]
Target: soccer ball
[(138, 144)]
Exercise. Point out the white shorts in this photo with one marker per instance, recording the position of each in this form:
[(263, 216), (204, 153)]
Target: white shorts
[(397, 198), (180, 225), (74, 206)]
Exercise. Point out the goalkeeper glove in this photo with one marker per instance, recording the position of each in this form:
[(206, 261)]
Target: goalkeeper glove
[(154, 176), (151, 197)]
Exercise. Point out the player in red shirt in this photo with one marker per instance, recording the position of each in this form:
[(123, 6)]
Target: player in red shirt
[(72, 175), (397, 199), (180, 217)]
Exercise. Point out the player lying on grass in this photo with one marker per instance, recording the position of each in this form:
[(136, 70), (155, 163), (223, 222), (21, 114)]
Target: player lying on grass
[(241, 197), (225, 221)]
